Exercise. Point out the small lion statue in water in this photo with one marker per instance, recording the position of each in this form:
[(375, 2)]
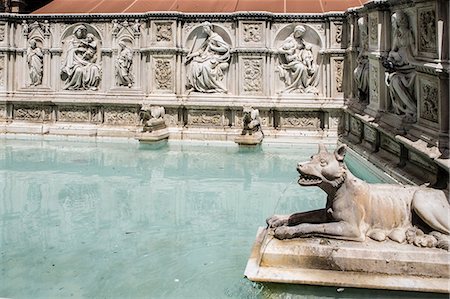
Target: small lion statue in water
[(356, 209)]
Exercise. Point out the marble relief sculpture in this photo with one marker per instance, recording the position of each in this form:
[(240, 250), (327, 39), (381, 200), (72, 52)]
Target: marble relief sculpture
[(207, 64), (79, 70), (356, 209), (400, 75), (35, 60), (123, 66), (297, 68), (361, 72), (251, 121)]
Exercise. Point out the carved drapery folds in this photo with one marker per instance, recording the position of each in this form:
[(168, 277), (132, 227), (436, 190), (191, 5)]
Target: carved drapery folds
[(400, 76), (361, 72), (124, 64), (207, 62), (80, 69), (297, 65), (35, 61)]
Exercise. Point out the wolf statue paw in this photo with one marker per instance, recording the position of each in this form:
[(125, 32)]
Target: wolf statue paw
[(277, 221)]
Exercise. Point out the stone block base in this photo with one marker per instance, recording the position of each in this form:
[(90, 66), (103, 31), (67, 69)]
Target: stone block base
[(326, 262), (155, 136), (254, 139)]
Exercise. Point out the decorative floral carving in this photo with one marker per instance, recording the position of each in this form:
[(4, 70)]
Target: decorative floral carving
[(252, 75), (171, 117), (370, 134), (429, 103), (356, 126), (163, 74), (28, 113), (300, 120), (374, 83), (252, 32), (163, 32), (32, 113), (373, 31), (2, 32), (339, 65), (2, 70), (427, 30), (338, 36), (121, 116), (204, 118), (73, 114)]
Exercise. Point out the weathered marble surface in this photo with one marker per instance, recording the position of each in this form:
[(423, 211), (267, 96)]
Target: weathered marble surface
[(336, 263)]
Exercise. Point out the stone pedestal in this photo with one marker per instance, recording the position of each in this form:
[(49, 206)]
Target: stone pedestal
[(249, 140), (153, 136), (371, 264)]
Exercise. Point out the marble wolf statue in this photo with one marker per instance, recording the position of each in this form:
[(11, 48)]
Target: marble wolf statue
[(355, 209)]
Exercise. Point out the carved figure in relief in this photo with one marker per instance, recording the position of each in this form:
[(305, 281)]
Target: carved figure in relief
[(400, 75), (124, 64), (356, 210), (79, 70), (35, 60), (297, 68), (361, 72), (208, 64)]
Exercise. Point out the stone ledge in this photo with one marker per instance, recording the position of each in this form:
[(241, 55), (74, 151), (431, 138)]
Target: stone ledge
[(318, 261)]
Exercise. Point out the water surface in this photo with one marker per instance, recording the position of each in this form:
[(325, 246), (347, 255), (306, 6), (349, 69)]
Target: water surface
[(120, 220)]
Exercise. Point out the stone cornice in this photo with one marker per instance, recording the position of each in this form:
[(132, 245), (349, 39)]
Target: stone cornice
[(199, 17)]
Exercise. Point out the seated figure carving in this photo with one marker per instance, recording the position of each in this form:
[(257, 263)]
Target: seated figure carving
[(79, 70), (400, 74), (207, 64), (356, 209), (297, 68)]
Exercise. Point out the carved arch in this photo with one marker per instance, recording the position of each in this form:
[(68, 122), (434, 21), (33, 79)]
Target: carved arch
[(197, 31)]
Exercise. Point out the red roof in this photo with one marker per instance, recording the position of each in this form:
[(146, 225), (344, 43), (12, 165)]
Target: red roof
[(196, 6)]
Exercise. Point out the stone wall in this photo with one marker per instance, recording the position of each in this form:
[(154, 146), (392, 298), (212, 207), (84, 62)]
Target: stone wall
[(91, 74), (397, 94)]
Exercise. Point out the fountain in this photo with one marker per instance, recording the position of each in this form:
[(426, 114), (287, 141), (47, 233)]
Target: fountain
[(154, 126), (381, 236), (252, 133)]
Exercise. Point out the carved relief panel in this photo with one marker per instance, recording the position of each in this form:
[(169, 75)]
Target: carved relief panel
[(163, 73), (32, 112), (374, 84), (338, 76), (428, 95), (81, 66), (427, 32), (3, 29), (252, 34), (206, 118), (163, 33), (252, 75), (336, 34), (299, 119), (373, 31), (297, 62), (2, 72), (127, 116), (73, 114)]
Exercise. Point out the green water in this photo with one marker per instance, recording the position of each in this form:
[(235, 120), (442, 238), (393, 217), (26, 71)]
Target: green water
[(119, 220)]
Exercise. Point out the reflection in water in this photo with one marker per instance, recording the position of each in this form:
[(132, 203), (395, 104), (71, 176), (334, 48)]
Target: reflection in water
[(123, 220)]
